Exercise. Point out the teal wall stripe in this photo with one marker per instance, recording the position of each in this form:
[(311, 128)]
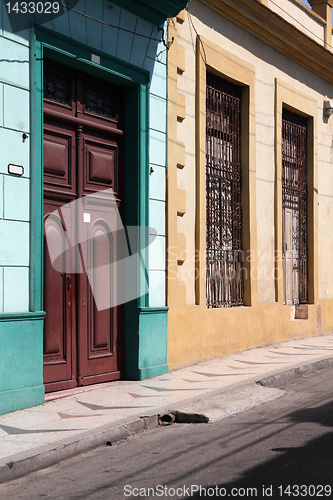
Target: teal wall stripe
[(144, 189), (36, 182)]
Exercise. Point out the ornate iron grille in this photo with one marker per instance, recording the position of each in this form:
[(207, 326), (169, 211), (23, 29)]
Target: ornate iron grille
[(56, 87), (100, 102), (224, 256), (294, 199)]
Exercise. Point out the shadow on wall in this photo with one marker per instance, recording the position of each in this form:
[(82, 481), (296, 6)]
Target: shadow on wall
[(22, 17)]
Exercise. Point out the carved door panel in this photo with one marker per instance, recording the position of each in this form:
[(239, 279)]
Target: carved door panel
[(97, 324), (59, 286), (82, 151), (59, 291), (97, 328)]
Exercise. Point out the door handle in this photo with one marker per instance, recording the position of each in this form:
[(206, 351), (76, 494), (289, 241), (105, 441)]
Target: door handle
[(69, 281)]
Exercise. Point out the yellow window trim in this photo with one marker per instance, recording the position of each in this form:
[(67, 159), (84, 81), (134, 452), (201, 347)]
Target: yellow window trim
[(215, 59), (291, 98)]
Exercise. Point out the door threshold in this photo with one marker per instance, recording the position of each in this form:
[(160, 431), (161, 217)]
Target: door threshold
[(76, 390)]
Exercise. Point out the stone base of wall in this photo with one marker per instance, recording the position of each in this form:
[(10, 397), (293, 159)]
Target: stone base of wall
[(21, 361)]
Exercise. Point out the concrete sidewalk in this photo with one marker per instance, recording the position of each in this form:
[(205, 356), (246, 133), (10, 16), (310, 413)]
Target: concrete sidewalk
[(74, 421)]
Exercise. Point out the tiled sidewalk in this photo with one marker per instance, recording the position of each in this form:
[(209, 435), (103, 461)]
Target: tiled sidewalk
[(37, 434)]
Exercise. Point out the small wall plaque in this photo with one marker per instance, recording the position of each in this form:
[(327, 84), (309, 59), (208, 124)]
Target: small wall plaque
[(15, 169), (301, 311), (95, 58)]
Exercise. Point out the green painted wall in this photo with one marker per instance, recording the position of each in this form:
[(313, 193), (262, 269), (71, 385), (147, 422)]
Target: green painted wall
[(152, 342), (146, 341), (21, 356)]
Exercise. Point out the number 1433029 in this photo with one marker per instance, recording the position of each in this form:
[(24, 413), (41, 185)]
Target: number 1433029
[(33, 7)]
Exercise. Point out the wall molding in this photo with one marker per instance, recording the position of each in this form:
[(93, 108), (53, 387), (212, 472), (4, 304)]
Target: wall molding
[(275, 31)]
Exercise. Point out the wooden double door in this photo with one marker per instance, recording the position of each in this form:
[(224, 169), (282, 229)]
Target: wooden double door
[(83, 155)]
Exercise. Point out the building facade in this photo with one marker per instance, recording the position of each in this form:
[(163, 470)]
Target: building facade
[(249, 176), (83, 109)]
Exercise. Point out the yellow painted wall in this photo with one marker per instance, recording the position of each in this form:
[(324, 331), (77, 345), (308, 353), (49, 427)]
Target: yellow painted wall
[(205, 39)]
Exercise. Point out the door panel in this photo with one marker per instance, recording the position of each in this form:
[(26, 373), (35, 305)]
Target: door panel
[(59, 354), (59, 158), (98, 317), (97, 334), (101, 164), (101, 321), (56, 295)]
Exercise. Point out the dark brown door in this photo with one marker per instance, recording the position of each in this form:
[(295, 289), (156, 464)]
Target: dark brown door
[(82, 156)]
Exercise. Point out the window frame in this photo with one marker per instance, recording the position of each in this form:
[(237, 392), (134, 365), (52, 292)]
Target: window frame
[(216, 60), (287, 97), (295, 204), (224, 241)]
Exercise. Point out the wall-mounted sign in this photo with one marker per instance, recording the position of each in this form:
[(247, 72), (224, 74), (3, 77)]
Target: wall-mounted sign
[(15, 169)]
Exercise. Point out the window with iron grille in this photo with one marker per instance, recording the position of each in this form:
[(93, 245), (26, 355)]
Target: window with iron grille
[(294, 208), (224, 274)]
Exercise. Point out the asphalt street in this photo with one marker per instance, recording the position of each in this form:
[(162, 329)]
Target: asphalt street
[(281, 449)]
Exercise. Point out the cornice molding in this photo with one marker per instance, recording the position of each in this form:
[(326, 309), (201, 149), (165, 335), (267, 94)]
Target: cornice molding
[(268, 26), (308, 10)]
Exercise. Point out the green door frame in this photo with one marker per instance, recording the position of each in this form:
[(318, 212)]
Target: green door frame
[(141, 362)]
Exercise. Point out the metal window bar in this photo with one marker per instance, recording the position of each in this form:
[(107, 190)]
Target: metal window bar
[(294, 193), (224, 256)]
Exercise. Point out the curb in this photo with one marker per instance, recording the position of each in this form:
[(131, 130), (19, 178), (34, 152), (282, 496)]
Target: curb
[(277, 378), (51, 456)]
